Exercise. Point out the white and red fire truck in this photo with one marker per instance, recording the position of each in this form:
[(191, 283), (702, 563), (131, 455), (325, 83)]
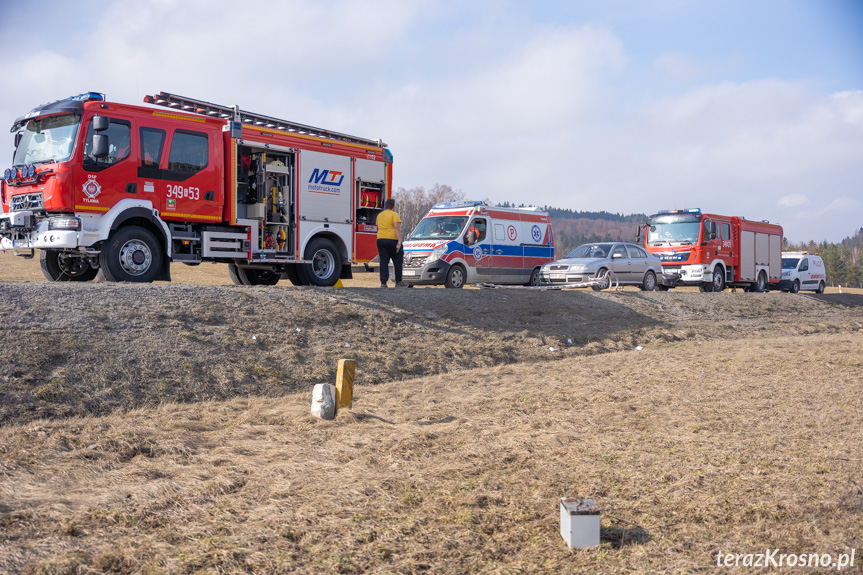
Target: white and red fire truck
[(713, 251), (122, 190)]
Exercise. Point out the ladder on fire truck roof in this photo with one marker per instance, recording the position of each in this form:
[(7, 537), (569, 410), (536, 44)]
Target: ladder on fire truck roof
[(235, 114)]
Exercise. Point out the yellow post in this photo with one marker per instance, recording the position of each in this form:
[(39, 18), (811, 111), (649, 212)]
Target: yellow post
[(345, 382)]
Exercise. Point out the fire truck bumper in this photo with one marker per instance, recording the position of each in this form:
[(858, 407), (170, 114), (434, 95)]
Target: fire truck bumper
[(669, 279), (433, 273), (21, 231), (689, 275)]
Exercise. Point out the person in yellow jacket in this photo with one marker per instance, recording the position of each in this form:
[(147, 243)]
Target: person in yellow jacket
[(390, 243)]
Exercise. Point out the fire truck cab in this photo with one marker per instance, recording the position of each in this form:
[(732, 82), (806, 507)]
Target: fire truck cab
[(467, 242), (714, 252)]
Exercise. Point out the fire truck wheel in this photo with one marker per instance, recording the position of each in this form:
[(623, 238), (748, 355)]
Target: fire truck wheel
[(718, 279), (455, 277), (649, 283), (292, 273), (820, 287), (61, 267), (604, 280), (761, 284), (325, 266), (252, 276), (131, 254), (534, 278), (795, 287)]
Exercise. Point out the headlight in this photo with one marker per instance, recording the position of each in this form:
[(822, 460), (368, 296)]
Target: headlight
[(578, 268), (64, 224), (436, 254)]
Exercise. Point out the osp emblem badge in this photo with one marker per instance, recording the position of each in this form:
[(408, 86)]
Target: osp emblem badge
[(92, 188)]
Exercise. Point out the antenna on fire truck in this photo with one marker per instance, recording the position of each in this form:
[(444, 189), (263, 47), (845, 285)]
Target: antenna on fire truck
[(233, 113)]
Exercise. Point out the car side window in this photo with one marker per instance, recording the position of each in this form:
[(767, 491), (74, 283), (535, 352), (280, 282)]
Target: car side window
[(635, 252), (619, 252), (188, 152), (119, 135), (152, 142), (475, 232), (804, 265)]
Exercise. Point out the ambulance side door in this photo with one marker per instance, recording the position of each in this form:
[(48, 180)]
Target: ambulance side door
[(479, 249)]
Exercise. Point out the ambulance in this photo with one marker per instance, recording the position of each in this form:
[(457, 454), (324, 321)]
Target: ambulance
[(802, 271), (459, 243)]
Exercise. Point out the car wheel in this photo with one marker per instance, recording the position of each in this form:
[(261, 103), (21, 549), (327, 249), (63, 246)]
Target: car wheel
[(795, 287), (604, 280), (820, 287), (325, 266), (131, 254), (455, 277), (58, 266), (649, 283), (534, 278)]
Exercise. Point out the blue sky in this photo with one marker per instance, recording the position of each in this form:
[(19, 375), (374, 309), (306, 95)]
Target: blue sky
[(750, 108)]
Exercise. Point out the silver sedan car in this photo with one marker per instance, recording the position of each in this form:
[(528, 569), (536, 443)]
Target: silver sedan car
[(630, 264)]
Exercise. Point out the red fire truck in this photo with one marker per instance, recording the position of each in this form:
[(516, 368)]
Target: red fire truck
[(123, 191), (713, 251)]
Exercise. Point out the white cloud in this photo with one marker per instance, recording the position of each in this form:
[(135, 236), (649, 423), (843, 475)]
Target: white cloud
[(792, 201)]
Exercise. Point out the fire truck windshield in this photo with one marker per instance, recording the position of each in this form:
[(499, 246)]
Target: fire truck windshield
[(48, 139), (439, 228), (676, 229)]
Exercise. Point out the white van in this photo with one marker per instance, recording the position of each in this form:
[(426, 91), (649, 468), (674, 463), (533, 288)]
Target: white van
[(802, 271), (467, 242)]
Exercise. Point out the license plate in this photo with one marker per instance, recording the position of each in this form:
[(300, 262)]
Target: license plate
[(557, 276), (409, 272), (20, 243)]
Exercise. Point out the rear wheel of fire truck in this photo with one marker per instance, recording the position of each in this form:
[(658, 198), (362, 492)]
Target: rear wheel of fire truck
[(821, 287), (649, 283), (326, 263), (455, 277), (252, 276), (604, 280), (534, 278), (292, 273), (760, 284), (131, 254), (61, 267), (795, 287)]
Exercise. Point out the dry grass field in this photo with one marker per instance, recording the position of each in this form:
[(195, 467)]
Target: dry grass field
[(165, 428)]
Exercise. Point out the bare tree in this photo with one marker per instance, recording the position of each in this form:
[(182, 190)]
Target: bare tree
[(412, 204)]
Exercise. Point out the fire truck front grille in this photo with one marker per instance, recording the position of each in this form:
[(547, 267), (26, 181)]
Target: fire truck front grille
[(26, 202)]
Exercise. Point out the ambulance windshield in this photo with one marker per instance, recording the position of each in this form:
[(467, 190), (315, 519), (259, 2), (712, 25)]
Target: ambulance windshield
[(674, 229), (48, 139), (439, 228)]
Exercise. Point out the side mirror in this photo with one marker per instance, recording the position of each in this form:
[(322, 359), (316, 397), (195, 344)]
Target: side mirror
[(100, 123), (615, 256), (100, 146), (18, 137), (712, 235)]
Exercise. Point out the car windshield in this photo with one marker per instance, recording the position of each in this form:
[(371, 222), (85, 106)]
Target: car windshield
[(790, 263), (668, 229), (439, 228), (591, 251), (48, 139)]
